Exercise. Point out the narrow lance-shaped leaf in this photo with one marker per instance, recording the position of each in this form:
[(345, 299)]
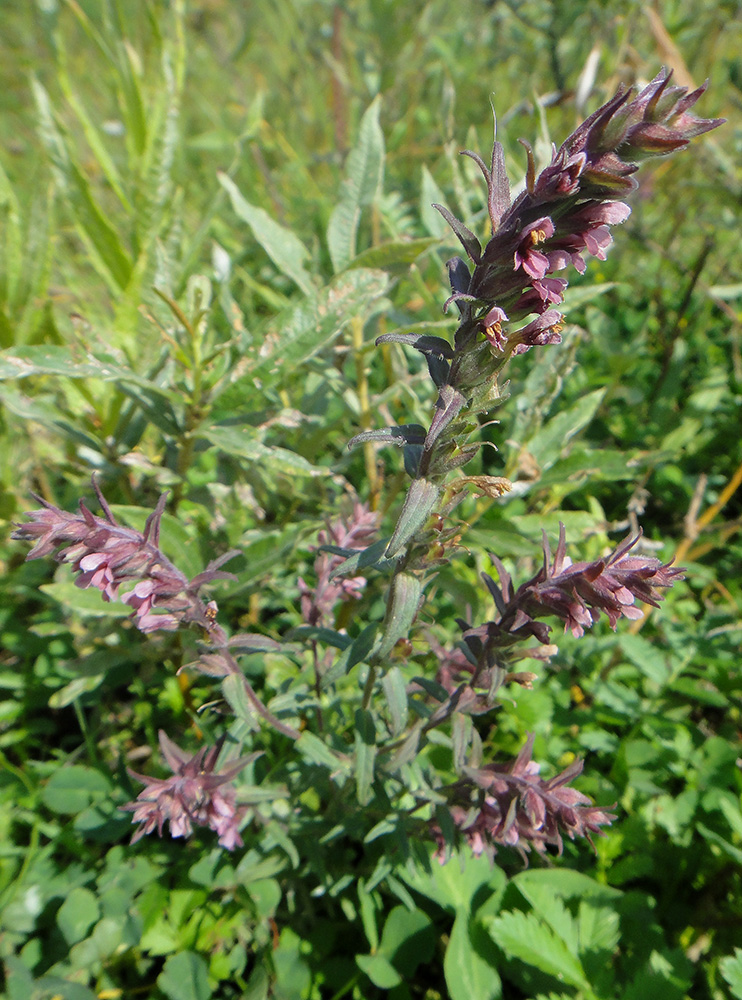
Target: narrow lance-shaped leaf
[(364, 173), (283, 246)]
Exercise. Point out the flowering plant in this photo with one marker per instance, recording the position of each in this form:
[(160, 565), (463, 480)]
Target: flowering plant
[(507, 296)]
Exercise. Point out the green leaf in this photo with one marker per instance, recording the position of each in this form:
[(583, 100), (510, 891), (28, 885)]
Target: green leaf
[(372, 557), (714, 838), (292, 971), (419, 504), (731, 969), (364, 172), (73, 788), (598, 927), (234, 691), (19, 982), (401, 611), (365, 755), (77, 914), (185, 977), (379, 970), (393, 255), (648, 658), (524, 936), (455, 884), (51, 359), (351, 656), (408, 939), (283, 247), (368, 915), (297, 334), (470, 964), (313, 749), (244, 443), (431, 194), (109, 256), (565, 883), (88, 603), (548, 444), (395, 692)]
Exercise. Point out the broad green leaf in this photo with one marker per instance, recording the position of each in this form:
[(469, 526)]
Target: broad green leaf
[(550, 908), (650, 659), (55, 988), (77, 914), (565, 883), (598, 927), (525, 936), (19, 982), (73, 788), (408, 939), (292, 971), (364, 172), (284, 248), (379, 970), (262, 550), (578, 297), (470, 964), (297, 334), (185, 977), (455, 884), (731, 970)]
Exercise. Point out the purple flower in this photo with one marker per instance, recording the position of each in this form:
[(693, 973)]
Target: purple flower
[(533, 262), (354, 532), (545, 329), (574, 592), (492, 326), (195, 795), (110, 557), (510, 804), (564, 213)]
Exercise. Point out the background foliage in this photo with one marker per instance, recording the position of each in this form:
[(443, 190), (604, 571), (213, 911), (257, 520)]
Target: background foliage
[(178, 210)]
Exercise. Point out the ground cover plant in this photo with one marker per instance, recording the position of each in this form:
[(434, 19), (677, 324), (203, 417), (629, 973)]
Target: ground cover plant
[(324, 675)]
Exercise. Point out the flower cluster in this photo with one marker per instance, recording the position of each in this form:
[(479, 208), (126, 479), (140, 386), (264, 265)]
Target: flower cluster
[(511, 805), (121, 563), (348, 533), (574, 592), (562, 214), (195, 795)]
